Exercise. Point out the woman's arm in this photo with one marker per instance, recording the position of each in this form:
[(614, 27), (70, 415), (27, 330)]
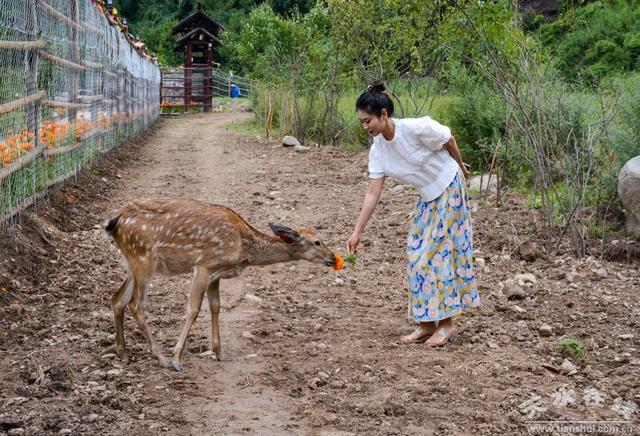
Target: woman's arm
[(368, 206), (452, 147)]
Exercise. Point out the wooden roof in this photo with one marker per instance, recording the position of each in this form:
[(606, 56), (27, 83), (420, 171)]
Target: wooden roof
[(197, 20), (193, 36)]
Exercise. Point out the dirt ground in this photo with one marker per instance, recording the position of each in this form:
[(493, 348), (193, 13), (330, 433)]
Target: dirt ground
[(313, 351)]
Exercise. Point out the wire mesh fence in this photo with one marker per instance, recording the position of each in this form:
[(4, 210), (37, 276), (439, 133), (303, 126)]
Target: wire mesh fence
[(71, 87)]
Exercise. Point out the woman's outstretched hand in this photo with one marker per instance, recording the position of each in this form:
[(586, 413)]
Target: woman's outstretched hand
[(465, 173), (353, 242)]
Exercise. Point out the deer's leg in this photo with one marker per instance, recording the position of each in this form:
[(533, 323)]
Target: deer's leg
[(199, 287), (119, 301), (136, 305), (213, 295)]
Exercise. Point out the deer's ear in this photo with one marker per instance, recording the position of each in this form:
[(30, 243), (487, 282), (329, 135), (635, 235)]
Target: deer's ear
[(288, 236)]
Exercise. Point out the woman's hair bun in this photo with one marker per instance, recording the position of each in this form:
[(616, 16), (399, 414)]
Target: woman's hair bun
[(377, 86)]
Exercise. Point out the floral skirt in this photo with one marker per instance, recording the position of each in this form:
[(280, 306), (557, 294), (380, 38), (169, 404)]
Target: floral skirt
[(440, 257)]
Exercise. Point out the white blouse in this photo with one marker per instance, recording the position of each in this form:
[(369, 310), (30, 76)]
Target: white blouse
[(415, 156)]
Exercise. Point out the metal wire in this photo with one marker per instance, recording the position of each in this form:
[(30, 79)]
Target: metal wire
[(71, 87)]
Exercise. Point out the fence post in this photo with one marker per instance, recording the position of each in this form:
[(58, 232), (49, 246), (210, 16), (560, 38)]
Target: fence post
[(31, 67), (31, 64), (74, 57)]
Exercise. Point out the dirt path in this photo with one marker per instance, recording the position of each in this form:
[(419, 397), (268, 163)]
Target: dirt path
[(320, 355)]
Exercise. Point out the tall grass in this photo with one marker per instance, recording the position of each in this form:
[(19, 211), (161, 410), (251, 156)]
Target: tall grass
[(310, 118)]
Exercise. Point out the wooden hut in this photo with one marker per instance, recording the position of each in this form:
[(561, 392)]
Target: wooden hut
[(198, 35)]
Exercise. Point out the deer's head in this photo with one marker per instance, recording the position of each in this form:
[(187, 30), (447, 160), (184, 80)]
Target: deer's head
[(304, 244)]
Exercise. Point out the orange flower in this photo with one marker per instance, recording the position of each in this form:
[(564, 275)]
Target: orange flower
[(339, 264), (6, 157)]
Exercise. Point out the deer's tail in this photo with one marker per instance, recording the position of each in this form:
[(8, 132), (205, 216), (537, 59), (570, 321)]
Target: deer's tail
[(111, 225)]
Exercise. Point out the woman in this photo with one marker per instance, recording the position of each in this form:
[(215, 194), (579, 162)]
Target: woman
[(423, 153)]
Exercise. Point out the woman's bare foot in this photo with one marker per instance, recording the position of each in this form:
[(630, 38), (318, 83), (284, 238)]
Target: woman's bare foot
[(420, 334), (443, 334)]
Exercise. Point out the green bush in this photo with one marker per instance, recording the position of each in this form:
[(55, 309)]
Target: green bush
[(475, 115), (622, 139), (595, 41)]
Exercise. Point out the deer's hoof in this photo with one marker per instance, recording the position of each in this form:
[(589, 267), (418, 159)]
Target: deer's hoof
[(166, 364), (178, 366), (121, 353), (223, 358)]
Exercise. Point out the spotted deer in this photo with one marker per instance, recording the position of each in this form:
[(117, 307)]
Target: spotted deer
[(172, 237)]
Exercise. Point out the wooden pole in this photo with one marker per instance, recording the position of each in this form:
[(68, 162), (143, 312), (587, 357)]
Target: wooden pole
[(188, 74), (74, 56), (208, 80), (31, 67)]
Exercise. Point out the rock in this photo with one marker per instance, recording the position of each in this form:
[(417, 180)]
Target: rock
[(92, 417), (332, 418), (524, 279), (339, 282), (278, 334), (290, 141), (16, 431), (529, 251), (550, 367), (626, 336), (65, 431), (337, 384), (545, 330), (480, 262), (252, 298), (600, 273), (314, 383), (99, 388), (114, 372), (16, 401), (206, 353), (629, 193), (571, 276), (568, 368), (108, 356), (320, 346), (98, 373), (300, 149), (513, 291), (492, 345), (518, 309), (323, 375), (484, 183), (248, 335)]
